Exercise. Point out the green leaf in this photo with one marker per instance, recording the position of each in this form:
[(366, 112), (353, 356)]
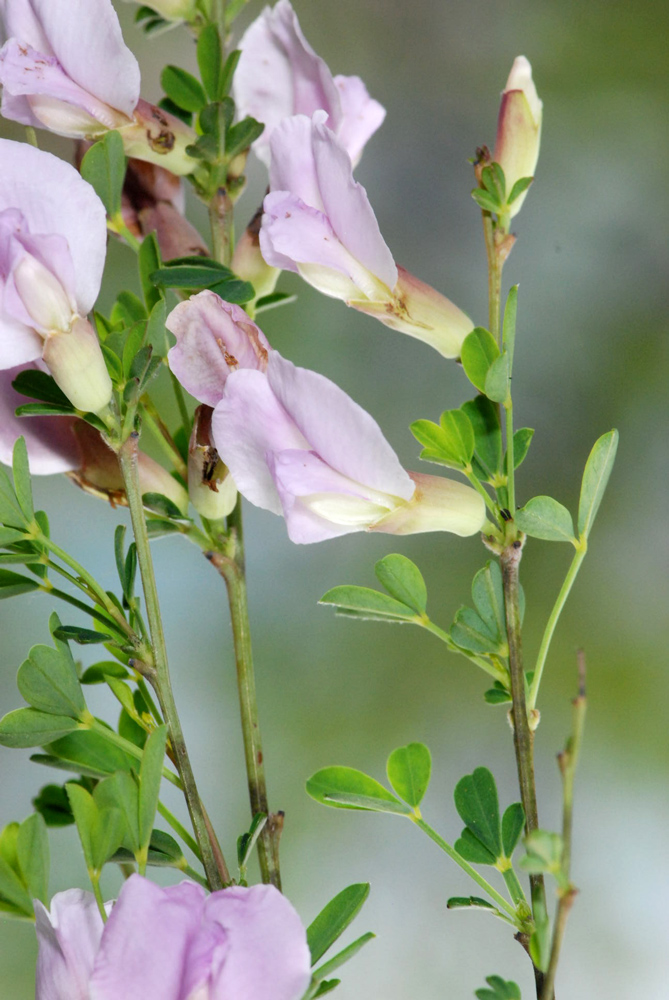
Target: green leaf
[(403, 581), (150, 776), (48, 681), (183, 88), (241, 135), (247, 841), (230, 66), (470, 902), (334, 918), (544, 853), (103, 167), (478, 806), (540, 941), (343, 956), (120, 792), (210, 61), (33, 854), (598, 469), (369, 604), (22, 486), (156, 331), (471, 849), (408, 770), (9, 536), (500, 989), (13, 584), (488, 596), (450, 443), (347, 788), (498, 380), (162, 505), (53, 805), (479, 350), (485, 200), (497, 695), (27, 727), (100, 830), (484, 419), (327, 986), (273, 300), (513, 822), (459, 433), (543, 517), (82, 636), (149, 260), (521, 185), (234, 290), (89, 753), (13, 891), (470, 632), (522, 439), (98, 672), (38, 385), (128, 309), (190, 272)]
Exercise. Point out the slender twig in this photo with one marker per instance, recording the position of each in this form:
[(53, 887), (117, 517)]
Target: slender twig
[(494, 275), (162, 436), (494, 670), (568, 761), (231, 568), (553, 618), (217, 873), (179, 829), (221, 220), (130, 748)]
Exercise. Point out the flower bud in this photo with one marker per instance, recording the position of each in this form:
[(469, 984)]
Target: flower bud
[(99, 473), (176, 236), (158, 137), (43, 297), (248, 262), (422, 312), (75, 360), (438, 504), (211, 488), (173, 10), (518, 129)]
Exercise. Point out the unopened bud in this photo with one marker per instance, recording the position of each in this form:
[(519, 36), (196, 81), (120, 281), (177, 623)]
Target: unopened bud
[(248, 262), (211, 487), (176, 236), (45, 300), (75, 360), (422, 312), (174, 10), (518, 129)]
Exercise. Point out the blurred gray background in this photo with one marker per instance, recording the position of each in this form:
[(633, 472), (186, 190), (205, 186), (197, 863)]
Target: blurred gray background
[(591, 259)]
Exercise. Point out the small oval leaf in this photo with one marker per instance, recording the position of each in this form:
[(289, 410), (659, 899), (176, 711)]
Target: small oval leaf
[(545, 518), (409, 770)]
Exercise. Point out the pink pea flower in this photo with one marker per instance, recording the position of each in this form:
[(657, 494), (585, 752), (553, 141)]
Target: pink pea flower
[(65, 67), (53, 239), (67, 444), (518, 129), (172, 944), (280, 75), (297, 445), (214, 338), (318, 222)]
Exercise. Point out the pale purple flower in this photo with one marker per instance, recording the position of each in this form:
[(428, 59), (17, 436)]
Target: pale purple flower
[(65, 67), (319, 223), (518, 129), (280, 75), (297, 445), (213, 338), (173, 944), (53, 239)]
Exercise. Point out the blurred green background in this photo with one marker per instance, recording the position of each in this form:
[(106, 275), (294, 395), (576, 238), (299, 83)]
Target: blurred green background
[(592, 353)]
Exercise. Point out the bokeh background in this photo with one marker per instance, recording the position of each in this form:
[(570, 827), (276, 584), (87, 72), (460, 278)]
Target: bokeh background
[(592, 353)]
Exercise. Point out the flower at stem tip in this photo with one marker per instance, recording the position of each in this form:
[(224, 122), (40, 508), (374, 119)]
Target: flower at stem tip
[(176, 943), (65, 67), (319, 223), (518, 129), (53, 238)]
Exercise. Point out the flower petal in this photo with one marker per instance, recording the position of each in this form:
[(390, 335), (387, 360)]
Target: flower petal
[(146, 941), (85, 37), (51, 443), (293, 167), (55, 200), (213, 338), (267, 952), (249, 424), (344, 435), (68, 937), (361, 116), (280, 75)]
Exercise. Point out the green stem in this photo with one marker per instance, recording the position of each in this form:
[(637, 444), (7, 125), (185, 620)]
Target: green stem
[(497, 898), (478, 486), (554, 616), (217, 873), (221, 221), (523, 737), (568, 761), (231, 568), (180, 830), (490, 668), (181, 402), (494, 276), (510, 459), (97, 892), (150, 703), (130, 748), (514, 886), (163, 438)]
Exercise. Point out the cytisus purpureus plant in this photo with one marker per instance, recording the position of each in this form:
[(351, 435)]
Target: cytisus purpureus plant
[(77, 396)]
